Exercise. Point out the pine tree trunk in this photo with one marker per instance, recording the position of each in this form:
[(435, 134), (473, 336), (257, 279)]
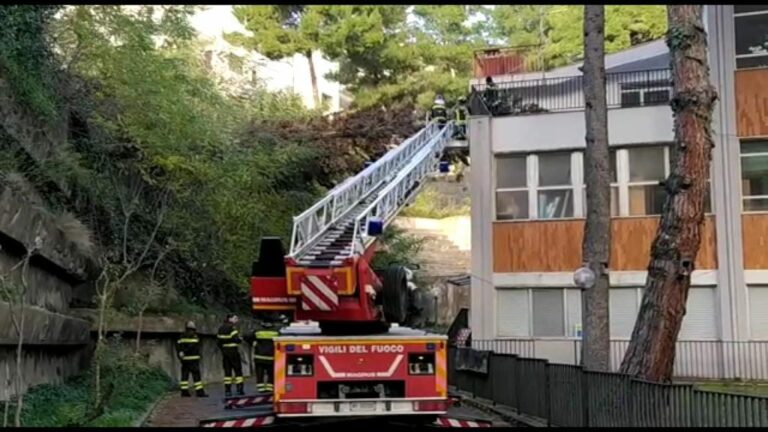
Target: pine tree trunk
[(597, 231), (651, 352), (313, 78)]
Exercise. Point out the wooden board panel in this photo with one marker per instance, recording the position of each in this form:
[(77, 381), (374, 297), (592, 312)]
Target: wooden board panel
[(555, 246), (754, 228), (752, 102)]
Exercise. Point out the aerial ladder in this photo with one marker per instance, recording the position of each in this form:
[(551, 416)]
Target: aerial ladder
[(346, 355)]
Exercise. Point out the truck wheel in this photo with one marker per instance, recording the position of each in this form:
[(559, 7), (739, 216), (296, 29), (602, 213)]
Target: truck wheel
[(395, 287)]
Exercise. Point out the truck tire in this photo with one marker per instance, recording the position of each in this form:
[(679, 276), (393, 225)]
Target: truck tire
[(395, 295)]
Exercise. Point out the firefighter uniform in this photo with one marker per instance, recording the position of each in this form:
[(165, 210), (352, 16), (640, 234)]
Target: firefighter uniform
[(439, 113), (188, 347), (229, 343), (264, 359), (460, 113)]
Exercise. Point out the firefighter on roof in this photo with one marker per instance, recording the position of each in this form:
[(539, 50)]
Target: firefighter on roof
[(460, 113), (264, 357), (229, 343), (188, 347), (438, 111)]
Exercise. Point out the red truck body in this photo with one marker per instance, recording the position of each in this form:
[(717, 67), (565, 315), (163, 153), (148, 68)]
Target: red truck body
[(402, 372)]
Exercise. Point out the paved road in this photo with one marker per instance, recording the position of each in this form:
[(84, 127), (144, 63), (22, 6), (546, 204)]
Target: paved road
[(176, 411)]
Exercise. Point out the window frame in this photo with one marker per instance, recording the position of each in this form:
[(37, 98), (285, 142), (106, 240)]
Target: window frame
[(565, 187), (736, 16), (625, 184), (642, 92), (496, 189), (743, 155), (578, 186)]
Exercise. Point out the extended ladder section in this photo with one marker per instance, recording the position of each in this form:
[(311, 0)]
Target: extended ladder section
[(336, 227)]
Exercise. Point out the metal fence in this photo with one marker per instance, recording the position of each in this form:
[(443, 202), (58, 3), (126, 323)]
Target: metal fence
[(567, 395), (693, 359), (556, 94)]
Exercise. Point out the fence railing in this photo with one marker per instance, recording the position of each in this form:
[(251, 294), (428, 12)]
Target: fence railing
[(567, 395), (693, 359), (557, 94)]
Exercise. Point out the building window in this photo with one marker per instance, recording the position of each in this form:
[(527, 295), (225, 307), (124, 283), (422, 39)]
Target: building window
[(646, 93), (554, 190), (512, 313), (614, 185), (538, 312), (623, 307), (647, 167), (548, 313), (754, 175), (751, 24), (758, 319), (511, 187)]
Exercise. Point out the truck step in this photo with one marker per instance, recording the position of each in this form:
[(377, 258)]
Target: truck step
[(247, 401)]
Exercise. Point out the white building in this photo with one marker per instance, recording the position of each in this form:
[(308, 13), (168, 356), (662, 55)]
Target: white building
[(528, 204), (240, 69)]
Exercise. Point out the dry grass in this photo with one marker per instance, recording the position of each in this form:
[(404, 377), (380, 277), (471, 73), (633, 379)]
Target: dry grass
[(76, 232)]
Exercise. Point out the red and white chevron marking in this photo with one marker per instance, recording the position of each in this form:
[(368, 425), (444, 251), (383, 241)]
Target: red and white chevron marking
[(450, 422), (242, 402), (319, 293), (248, 422)]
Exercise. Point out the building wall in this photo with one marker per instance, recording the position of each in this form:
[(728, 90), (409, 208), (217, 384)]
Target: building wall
[(289, 74), (626, 126), (522, 269)]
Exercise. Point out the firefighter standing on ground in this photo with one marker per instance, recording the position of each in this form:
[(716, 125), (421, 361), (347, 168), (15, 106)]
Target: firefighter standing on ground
[(438, 112), (188, 347), (264, 357), (229, 343), (460, 113)]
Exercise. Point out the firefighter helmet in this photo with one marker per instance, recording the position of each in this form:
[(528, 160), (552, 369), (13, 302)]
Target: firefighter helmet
[(191, 325)]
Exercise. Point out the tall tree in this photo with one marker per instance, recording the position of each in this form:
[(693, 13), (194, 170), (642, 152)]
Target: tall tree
[(651, 351), (281, 31), (596, 247)]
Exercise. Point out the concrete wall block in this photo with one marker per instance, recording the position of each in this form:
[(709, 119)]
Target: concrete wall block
[(44, 289), (23, 222), (162, 353), (42, 327), (40, 365)]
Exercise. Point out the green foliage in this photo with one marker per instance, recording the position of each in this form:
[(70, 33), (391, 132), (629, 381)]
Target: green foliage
[(386, 59), (558, 30), (397, 248), (133, 385), (431, 204), (278, 31), (25, 56), (182, 134)]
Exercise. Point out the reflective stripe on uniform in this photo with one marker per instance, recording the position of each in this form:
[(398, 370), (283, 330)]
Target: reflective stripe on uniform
[(188, 340), (227, 380), (199, 385), (266, 334), (184, 385), (229, 336), (261, 357), (229, 345), (239, 380), (195, 357)]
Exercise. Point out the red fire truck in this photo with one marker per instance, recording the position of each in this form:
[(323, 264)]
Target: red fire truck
[(346, 354)]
